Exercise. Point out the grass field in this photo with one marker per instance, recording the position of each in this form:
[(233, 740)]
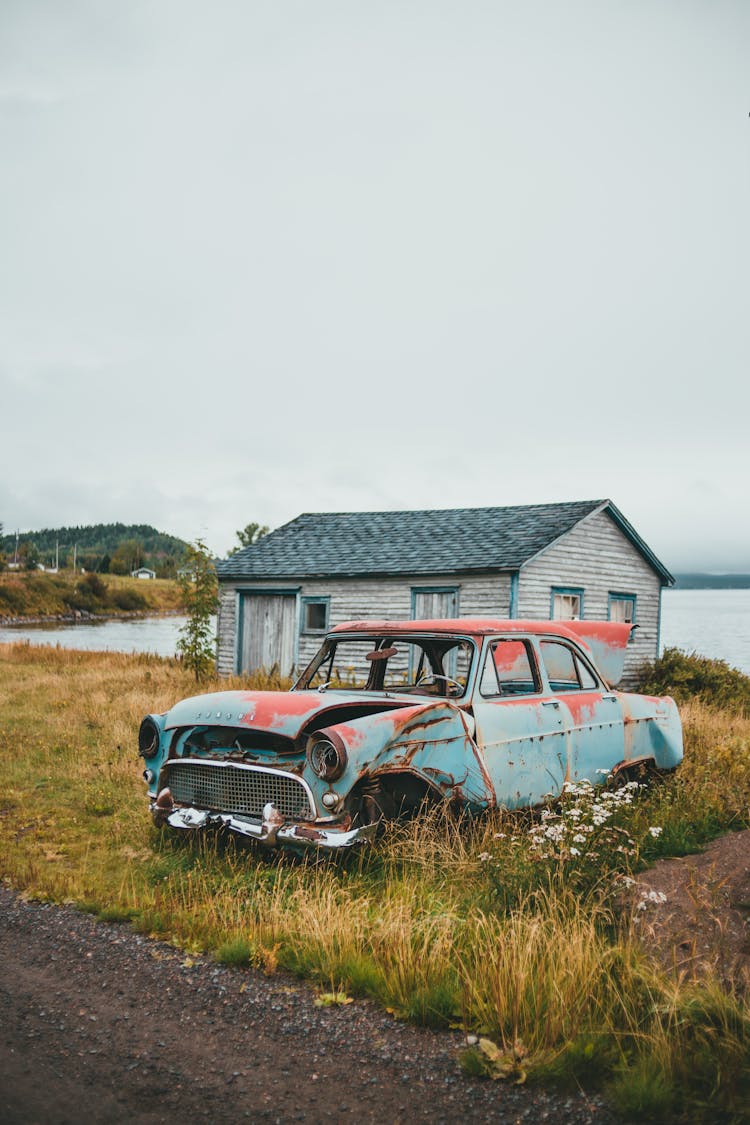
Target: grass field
[(500, 926), (36, 594)]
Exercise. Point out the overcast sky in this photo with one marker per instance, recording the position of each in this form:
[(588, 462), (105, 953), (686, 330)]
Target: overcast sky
[(260, 258)]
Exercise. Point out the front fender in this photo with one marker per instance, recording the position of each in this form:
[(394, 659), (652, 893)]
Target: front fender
[(434, 741)]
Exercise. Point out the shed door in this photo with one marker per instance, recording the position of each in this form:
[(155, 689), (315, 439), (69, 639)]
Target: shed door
[(268, 624)]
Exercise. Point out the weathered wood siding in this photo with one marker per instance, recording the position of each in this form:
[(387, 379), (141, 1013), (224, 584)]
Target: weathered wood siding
[(355, 599), (226, 630), (596, 557)]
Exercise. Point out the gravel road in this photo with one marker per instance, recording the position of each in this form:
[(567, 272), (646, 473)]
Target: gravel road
[(99, 1024)]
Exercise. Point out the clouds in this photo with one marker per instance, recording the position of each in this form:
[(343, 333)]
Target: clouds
[(272, 258)]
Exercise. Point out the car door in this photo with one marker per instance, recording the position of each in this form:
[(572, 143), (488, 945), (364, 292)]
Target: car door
[(591, 713), (521, 734)]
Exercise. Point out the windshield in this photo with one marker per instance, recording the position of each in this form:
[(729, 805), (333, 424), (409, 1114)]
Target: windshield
[(422, 665)]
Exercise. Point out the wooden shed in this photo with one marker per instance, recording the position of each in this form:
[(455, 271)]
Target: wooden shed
[(544, 561)]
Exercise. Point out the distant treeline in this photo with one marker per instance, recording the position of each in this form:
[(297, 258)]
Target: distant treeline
[(103, 548), (712, 581)]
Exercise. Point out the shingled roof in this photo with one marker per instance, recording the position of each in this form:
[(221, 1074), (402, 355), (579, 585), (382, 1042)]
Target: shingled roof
[(443, 541)]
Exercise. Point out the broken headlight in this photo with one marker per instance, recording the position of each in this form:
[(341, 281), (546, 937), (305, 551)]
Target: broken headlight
[(148, 737), (326, 754)]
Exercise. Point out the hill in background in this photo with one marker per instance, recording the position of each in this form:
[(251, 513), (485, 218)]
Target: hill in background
[(103, 548), (712, 581)]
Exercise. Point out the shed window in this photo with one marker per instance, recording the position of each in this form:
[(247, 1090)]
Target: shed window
[(566, 603), (622, 608), (315, 615)]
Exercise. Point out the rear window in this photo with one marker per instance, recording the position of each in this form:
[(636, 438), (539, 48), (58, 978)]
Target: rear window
[(565, 669)]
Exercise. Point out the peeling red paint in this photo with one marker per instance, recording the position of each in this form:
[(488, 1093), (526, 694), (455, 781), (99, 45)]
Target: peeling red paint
[(582, 705)]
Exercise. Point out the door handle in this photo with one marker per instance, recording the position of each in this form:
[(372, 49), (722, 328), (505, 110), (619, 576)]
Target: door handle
[(550, 703)]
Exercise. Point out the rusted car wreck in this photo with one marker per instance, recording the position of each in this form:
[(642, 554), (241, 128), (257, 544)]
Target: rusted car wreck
[(481, 713)]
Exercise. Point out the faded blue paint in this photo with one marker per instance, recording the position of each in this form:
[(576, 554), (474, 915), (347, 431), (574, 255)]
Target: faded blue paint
[(513, 605)]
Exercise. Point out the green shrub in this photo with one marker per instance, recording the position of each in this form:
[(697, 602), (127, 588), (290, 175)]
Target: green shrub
[(129, 600), (687, 676)]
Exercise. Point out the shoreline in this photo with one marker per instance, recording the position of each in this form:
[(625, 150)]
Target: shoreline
[(83, 617)]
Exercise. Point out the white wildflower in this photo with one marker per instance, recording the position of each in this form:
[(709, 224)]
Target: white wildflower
[(579, 838), (574, 851), (484, 856), (656, 832)]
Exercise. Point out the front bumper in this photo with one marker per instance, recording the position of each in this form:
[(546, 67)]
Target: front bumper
[(271, 833)]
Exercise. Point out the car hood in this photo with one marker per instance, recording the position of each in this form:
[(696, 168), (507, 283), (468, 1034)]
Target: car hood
[(284, 713)]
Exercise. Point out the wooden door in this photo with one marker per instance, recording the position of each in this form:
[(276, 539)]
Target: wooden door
[(268, 632)]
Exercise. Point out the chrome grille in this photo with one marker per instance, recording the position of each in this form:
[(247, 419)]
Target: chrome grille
[(238, 789)]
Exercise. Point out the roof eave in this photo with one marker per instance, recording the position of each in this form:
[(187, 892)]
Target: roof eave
[(304, 576)]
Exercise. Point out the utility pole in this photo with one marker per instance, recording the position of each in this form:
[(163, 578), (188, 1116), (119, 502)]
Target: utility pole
[(75, 552), (15, 557)]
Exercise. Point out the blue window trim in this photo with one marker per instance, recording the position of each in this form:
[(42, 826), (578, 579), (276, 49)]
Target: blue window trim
[(513, 604), (261, 591), (314, 599), (433, 590), (618, 596), (575, 590)]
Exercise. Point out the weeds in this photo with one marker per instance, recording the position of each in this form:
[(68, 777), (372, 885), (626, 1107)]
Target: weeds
[(505, 925)]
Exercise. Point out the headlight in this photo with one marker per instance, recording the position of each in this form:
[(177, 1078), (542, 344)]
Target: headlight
[(326, 754), (148, 737)]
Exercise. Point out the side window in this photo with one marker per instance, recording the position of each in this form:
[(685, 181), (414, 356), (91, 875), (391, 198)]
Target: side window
[(566, 603), (622, 608), (509, 670), (314, 617), (565, 670)]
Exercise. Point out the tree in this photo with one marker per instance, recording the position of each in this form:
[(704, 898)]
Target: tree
[(249, 536), (28, 555), (127, 558), (199, 586)]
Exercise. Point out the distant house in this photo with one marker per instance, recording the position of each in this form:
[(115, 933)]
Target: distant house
[(143, 572), (542, 561)]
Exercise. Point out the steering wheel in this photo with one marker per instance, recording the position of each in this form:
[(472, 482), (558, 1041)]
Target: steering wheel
[(429, 676)]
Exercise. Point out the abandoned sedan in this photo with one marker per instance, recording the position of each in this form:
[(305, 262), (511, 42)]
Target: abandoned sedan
[(388, 715)]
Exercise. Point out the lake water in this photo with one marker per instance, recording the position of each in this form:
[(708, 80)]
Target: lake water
[(143, 634), (712, 622)]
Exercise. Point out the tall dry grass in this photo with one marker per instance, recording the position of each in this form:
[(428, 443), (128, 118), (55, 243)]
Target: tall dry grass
[(447, 921)]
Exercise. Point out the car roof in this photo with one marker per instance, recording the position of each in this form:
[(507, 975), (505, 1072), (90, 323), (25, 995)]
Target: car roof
[(471, 626)]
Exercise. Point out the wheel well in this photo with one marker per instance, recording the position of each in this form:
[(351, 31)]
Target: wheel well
[(390, 795), (645, 769)]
